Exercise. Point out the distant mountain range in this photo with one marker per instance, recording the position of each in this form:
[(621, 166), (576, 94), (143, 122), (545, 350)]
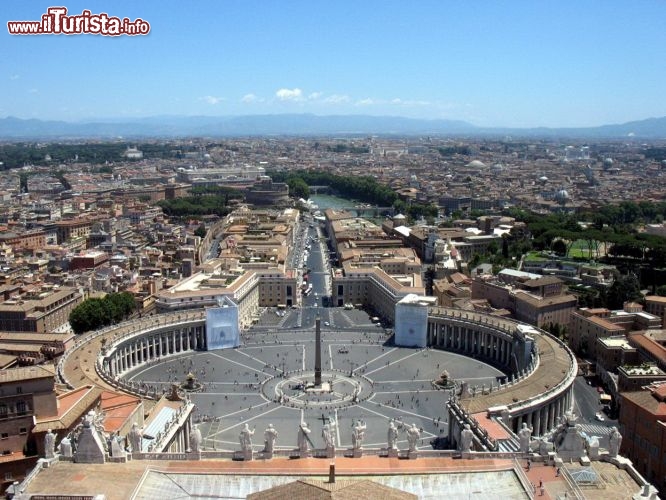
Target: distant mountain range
[(305, 125)]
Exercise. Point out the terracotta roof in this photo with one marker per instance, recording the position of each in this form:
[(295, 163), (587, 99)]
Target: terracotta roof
[(647, 401), (71, 407), (26, 373), (653, 348), (117, 408), (6, 360), (345, 489), (495, 430)]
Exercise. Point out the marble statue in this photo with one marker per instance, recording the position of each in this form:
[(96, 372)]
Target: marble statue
[(90, 444), (270, 436), (593, 448), (114, 446), (134, 437), (303, 438), (568, 438), (392, 437), (413, 435), (66, 447), (89, 419), (466, 439), (358, 434), (545, 446), (49, 444), (328, 434), (245, 438), (525, 436), (195, 439), (614, 440)]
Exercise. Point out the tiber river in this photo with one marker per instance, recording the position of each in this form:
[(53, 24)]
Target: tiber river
[(324, 201)]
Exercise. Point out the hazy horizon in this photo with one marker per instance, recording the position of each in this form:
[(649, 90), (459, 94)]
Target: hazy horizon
[(520, 64)]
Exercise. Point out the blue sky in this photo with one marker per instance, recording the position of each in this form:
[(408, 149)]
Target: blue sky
[(492, 63)]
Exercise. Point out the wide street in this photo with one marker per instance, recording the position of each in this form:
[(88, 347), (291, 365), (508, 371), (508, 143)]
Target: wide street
[(586, 405)]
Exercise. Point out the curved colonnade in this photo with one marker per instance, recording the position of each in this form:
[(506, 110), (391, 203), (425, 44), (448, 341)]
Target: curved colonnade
[(131, 344), (541, 368), (538, 389)]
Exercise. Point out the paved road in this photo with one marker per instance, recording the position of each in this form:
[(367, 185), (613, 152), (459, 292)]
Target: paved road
[(586, 405)]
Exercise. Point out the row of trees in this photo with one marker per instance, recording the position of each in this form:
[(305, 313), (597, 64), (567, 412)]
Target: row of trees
[(95, 313), (618, 237), (18, 154), (200, 204), (365, 189)]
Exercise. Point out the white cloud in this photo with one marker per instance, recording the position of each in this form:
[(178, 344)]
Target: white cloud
[(247, 98), (14, 77), (365, 102), (409, 102), (337, 99), (315, 95), (289, 94), (212, 100)]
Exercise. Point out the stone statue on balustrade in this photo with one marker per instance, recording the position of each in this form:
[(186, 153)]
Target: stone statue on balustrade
[(270, 436), (593, 447), (65, 447), (466, 439), (614, 442), (195, 439), (49, 444), (90, 446), (525, 437), (545, 446), (328, 433), (134, 438), (413, 436), (568, 438), (114, 447), (358, 435), (392, 436), (245, 439), (304, 439)]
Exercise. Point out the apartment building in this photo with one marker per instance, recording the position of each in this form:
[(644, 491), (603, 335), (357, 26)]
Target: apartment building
[(355, 283), (25, 393), (643, 427), (588, 325), (39, 311), (656, 305), (614, 352), (28, 240), (651, 345), (534, 299)]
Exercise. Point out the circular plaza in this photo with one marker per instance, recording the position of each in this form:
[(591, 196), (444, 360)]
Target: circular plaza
[(269, 379)]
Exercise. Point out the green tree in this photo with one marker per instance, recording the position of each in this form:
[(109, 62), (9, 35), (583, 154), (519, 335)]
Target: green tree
[(201, 230), (505, 247), (95, 313), (298, 188), (559, 247), (624, 288)]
